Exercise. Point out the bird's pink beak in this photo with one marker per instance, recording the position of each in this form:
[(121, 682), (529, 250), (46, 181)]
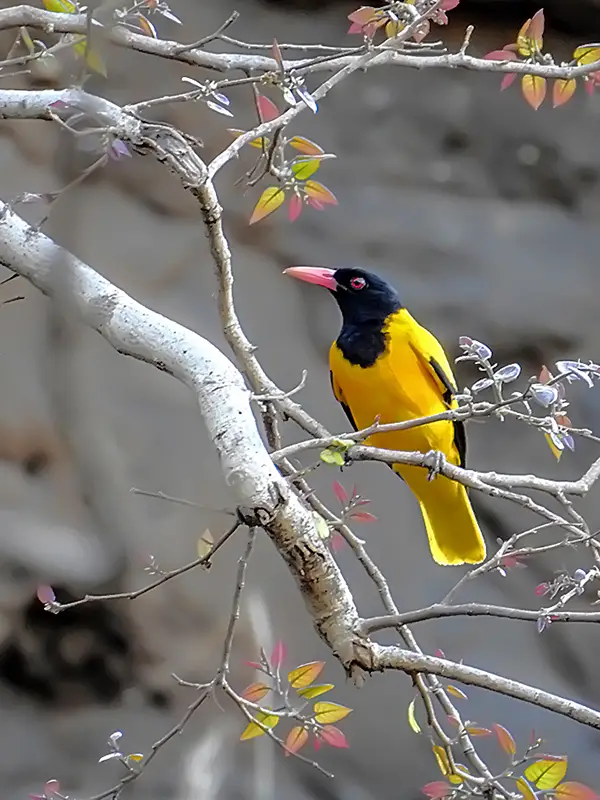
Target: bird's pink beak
[(319, 275)]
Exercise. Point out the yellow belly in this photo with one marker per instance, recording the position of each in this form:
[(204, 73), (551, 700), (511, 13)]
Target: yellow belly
[(380, 391)]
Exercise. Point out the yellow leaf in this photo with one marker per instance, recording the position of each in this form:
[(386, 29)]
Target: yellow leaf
[(474, 730), (205, 544), (412, 718), (557, 453), (296, 739), (393, 28), (442, 759), (253, 730), (315, 691), (328, 713), (526, 790), (563, 91), (135, 757), (305, 674), (587, 53), (460, 695), (456, 779), (261, 143), (92, 57), (534, 90), (269, 201), (305, 146), (523, 40), (255, 692), (546, 774), (321, 526)]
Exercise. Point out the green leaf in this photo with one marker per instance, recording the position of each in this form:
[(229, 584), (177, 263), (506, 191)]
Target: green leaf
[(328, 713), (314, 691), (330, 456), (321, 526), (303, 168), (253, 730), (269, 201), (546, 774), (60, 6)]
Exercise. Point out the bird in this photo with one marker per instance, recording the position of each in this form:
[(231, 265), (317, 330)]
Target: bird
[(385, 366)]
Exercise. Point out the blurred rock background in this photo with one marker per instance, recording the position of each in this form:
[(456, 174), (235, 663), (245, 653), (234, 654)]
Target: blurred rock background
[(485, 214)]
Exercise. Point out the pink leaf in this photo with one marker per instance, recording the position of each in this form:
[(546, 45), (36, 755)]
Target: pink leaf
[(448, 5), (294, 207), (337, 542), (278, 655), (507, 80), (340, 492), (45, 595), (541, 589), (363, 516), (439, 653), (267, 108), (436, 790), (315, 203), (253, 664), (500, 55), (334, 737)]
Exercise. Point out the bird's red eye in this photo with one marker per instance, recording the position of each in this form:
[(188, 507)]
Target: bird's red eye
[(358, 283)]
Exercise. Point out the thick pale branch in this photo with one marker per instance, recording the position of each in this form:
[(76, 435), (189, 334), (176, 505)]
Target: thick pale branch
[(259, 490)]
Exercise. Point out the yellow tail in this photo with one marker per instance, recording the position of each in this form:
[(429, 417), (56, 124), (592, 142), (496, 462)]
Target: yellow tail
[(453, 533)]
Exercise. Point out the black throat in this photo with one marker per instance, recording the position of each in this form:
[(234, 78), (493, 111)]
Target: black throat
[(362, 343)]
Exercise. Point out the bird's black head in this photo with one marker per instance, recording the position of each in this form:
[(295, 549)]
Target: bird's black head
[(363, 297), (365, 300)]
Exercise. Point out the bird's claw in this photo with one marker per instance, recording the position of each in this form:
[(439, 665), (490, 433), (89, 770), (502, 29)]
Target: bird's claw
[(435, 462)]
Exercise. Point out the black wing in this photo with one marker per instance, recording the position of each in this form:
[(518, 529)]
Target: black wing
[(460, 438), (338, 395)]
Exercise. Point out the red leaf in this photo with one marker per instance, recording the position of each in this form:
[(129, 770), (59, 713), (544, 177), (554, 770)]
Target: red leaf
[(267, 108), (437, 790), (439, 653), (507, 743), (541, 589), (340, 492), (500, 55), (253, 664), (363, 516), (317, 743), (536, 28), (571, 790), (507, 80), (278, 655), (333, 736), (294, 207)]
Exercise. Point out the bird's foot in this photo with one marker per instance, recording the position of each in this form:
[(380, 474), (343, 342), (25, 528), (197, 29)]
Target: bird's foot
[(435, 462)]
